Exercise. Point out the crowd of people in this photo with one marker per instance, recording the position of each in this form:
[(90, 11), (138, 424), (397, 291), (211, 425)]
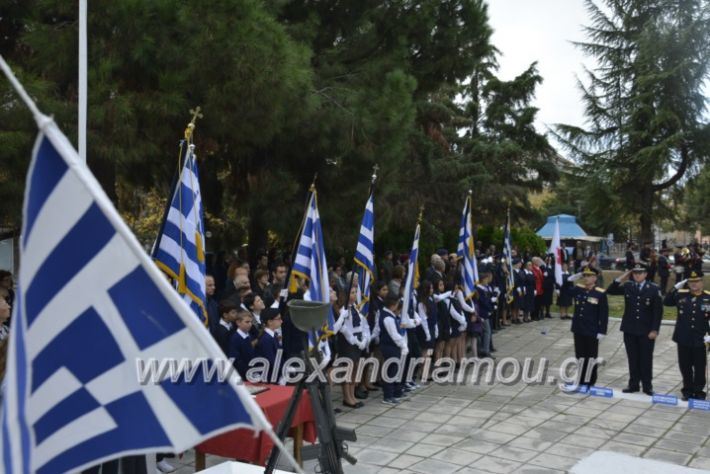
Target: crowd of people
[(248, 318)]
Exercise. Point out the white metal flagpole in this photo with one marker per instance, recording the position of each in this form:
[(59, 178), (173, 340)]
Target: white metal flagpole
[(83, 60)]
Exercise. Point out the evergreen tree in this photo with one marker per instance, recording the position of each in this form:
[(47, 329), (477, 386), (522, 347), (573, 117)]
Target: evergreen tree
[(644, 102)]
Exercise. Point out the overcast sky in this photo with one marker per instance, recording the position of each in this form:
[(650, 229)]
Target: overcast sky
[(542, 31)]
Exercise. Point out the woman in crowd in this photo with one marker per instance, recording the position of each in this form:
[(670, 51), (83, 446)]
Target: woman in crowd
[(353, 338)]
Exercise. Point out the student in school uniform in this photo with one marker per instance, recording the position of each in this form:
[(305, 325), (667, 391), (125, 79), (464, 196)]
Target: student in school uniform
[(223, 331), (530, 292), (486, 306), (255, 305), (353, 338), (393, 344), (269, 343), (468, 310), (241, 345), (456, 322)]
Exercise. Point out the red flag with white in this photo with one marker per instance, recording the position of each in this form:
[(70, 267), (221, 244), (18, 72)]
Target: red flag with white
[(556, 250)]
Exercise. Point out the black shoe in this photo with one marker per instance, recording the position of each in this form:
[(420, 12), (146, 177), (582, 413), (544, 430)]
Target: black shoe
[(684, 398), (354, 405), (630, 390), (373, 389), (361, 394), (337, 410), (699, 396), (648, 392)]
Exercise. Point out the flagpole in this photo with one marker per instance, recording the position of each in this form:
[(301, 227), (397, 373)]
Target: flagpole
[(294, 248), (83, 80), (352, 272)]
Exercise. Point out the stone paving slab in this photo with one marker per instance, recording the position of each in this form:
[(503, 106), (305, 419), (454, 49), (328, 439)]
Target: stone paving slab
[(529, 429)]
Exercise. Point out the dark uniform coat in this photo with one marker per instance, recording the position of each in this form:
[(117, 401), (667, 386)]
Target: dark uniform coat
[(591, 310), (643, 309), (693, 316)]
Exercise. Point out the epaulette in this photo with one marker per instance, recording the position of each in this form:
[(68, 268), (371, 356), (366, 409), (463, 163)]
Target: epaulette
[(580, 285), (600, 290), (706, 292), (683, 290)]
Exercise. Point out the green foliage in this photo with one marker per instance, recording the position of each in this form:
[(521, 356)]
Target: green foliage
[(644, 104), (696, 200), (288, 89), (522, 238)]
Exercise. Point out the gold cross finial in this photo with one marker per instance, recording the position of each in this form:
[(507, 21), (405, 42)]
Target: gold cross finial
[(196, 113), (374, 172)]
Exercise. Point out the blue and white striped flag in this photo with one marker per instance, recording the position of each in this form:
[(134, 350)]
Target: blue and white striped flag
[(365, 253), (467, 252), (180, 247), (412, 281), (90, 305), (310, 260)]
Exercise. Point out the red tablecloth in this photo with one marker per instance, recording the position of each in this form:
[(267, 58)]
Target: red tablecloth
[(242, 445)]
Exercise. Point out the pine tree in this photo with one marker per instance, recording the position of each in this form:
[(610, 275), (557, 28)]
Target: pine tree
[(644, 102)]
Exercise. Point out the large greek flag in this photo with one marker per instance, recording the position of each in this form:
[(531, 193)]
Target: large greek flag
[(365, 253), (467, 252), (180, 247), (91, 304), (310, 260), (412, 281)]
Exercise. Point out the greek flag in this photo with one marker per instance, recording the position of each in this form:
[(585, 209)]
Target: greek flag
[(180, 247), (412, 281), (365, 253), (310, 260), (90, 305), (466, 251)]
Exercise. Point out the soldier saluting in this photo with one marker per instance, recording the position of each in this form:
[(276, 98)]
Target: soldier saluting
[(691, 333), (643, 311), (589, 323)]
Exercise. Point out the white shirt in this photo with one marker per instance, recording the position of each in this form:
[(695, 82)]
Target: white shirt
[(355, 334)]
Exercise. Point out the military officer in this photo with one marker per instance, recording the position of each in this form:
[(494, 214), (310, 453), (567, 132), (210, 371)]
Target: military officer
[(643, 311), (589, 323), (691, 333)]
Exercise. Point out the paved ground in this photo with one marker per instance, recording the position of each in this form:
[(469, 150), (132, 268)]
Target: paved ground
[(523, 428)]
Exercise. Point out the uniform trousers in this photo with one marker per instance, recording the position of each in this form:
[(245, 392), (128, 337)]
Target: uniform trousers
[(692, 362), (391, 384), (586, 348), (639, 351)]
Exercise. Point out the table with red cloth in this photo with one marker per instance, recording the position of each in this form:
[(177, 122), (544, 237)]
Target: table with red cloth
[(243, 445)]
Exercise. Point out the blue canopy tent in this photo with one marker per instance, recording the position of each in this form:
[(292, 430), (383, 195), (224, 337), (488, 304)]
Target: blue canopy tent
[(570, 231)]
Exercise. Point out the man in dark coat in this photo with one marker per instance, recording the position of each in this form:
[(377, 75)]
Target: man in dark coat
[(643, 311), (589, 323), (691, 333)]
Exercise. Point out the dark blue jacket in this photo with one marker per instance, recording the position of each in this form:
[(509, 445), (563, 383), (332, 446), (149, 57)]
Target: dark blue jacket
[(693, 314), (485, 304), (223, 336), (643, 309), (241, 349), (267, 347), (591, 310)]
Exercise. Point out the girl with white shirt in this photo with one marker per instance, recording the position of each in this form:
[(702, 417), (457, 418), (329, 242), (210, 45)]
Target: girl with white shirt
[(468, 310), (353, 338)]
